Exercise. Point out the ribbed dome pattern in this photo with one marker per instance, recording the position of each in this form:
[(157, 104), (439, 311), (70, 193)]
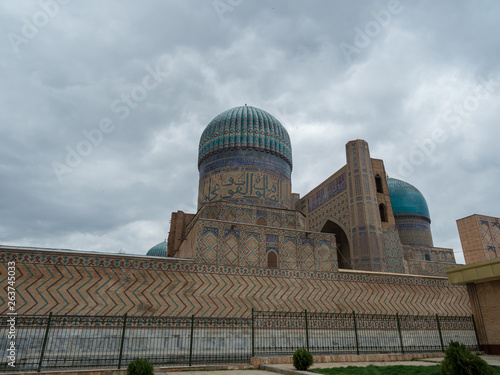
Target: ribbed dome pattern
[(406, 199), (159, 250), (247, 128)]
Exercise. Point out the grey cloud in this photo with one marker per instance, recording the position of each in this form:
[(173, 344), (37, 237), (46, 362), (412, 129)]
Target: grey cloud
[(281, 56)]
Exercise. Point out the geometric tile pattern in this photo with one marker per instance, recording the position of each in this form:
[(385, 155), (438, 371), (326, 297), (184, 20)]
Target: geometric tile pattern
[(428, 261), (490, 234), (227, 243), (276, 220), (331, 190), (414, 230), (366, 227), (337, 207), (251, 250), (208, 252), (425, 268), (289, 253), (248, 214), (245, 156), (307, 251), (245, 127), (433, 254), (69, 283), (231, 250), (393, 251), (325, 257)]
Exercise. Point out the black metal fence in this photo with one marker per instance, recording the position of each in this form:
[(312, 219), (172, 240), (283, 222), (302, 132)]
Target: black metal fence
[(60, 341), (280, 333)]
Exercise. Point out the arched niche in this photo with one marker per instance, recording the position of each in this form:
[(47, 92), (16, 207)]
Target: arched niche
[(383, 213), (262, 221), (342, 242), (272, 259)]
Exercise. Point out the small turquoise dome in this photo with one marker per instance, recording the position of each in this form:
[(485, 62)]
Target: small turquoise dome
[(245, 128), (159, 250), (406, 199)]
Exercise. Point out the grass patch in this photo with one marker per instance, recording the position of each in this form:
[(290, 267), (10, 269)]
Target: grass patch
[(386, 370)]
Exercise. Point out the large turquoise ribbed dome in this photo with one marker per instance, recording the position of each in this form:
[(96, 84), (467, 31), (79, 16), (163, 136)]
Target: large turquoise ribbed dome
[(406, 199), (158, 250), (245, 128)]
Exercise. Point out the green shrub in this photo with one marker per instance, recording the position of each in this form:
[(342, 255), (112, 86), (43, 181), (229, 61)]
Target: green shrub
[(140, 366), (302, 359), (459, 360)]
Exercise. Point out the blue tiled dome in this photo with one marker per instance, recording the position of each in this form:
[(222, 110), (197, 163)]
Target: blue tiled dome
[(406, 199), (245, 128), (159, 250)]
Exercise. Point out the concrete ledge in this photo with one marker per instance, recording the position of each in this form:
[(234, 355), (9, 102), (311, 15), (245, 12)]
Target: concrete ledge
[(123, 371), (284, 371), (263, 361)]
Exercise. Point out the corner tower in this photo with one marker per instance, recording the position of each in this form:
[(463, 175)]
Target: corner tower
[(245, 156), (366, 228)]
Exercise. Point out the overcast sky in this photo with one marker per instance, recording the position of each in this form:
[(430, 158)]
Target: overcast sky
[(103, 105)]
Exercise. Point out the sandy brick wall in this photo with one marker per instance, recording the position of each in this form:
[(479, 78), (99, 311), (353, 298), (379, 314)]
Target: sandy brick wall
[(73, 283)]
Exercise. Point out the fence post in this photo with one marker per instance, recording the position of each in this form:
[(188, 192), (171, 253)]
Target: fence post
[(475, 331), (355, 332), (439, 330), (122, 341), (400, 336), (44, 343), (191, 343), (253, 335), (307, 330)]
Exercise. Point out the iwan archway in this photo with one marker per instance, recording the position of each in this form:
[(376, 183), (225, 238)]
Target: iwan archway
[(342, 242)]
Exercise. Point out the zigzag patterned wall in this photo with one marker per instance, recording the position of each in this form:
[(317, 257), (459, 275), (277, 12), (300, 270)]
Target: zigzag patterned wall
[(69, 283)]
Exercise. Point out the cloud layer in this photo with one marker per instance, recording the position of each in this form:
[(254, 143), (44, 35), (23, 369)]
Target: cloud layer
[(104, 103)]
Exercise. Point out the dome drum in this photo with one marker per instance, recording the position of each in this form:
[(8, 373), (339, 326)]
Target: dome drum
[(411, 213), (245, 157)]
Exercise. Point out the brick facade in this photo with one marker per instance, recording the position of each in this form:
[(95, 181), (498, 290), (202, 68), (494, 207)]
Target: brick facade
[(74, 283), (480, 237)]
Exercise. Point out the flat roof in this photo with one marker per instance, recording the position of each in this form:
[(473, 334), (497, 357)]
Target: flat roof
[(476, 272)]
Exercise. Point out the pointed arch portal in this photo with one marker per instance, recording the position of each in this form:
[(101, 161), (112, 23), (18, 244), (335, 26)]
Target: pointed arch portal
[(343, 248)]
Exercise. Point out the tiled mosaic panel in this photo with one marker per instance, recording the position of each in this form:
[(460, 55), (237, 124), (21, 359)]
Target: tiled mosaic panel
[(331, 190), (490, 234), (246, 186), (65, 283), (325, 258), (424, 268), (337, 208), (471, 238), (414, 231), (434, 254), (247, 214), (231, 249), (289, 253), (307, 258), (245, 127), (247, 245), (366, 232), (208, 246), (393, 251), (251, 250)]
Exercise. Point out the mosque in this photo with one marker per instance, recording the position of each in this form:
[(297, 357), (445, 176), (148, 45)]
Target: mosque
[(358, 218), (359, 241)]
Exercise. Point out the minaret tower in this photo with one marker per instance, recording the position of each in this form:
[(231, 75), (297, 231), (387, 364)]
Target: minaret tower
[(368, 251)]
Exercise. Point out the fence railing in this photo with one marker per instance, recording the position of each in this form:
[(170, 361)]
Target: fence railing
[(62, 341)]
